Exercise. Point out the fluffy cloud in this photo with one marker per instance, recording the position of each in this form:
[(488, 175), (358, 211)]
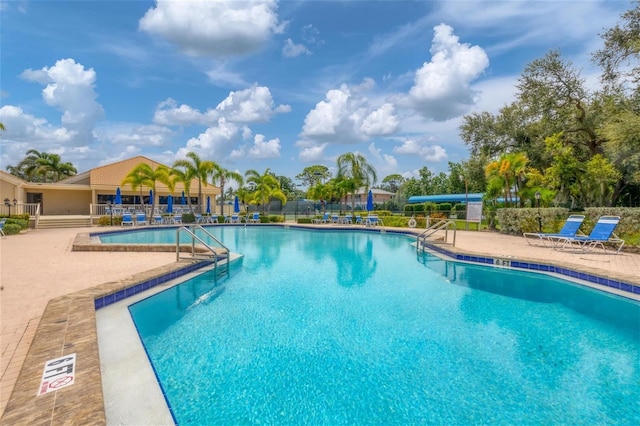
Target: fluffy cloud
[(215, 142), (168, 113), (214, 27), (130, 134), (70, 89), (312, 153), (291, 50), (427, 152), (251, 105), (259, 150), (385, 164), (346, 116), (442, 87)]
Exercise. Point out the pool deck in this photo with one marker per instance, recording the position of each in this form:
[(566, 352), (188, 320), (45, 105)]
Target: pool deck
[(44, 281)]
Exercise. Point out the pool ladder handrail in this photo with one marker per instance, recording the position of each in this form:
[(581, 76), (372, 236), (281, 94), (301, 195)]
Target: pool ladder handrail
[(443, 224), (214, 256)]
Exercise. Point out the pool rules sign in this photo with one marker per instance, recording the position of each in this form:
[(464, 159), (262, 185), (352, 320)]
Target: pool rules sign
[(58, 373)]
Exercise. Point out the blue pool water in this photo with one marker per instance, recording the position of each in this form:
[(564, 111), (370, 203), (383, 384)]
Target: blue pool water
[(356, 328)]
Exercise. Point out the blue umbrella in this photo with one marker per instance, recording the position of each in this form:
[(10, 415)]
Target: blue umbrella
[(170, 204), (236, 205), (370, 201), (151, 196), (118, 196), (182, 200), (208, 205)]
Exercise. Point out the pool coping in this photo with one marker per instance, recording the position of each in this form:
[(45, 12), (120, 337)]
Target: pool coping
[(68, 325)]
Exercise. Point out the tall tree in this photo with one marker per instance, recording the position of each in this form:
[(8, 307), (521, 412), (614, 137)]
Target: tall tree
[(222, 175), (355, 168), (314, 174), (199, 169), (265, 187), (145, 175), (50, 166), (392, 182)]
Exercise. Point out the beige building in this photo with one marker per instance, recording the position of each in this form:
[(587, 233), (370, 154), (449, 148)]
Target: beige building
[(379, 196), (88, 193)]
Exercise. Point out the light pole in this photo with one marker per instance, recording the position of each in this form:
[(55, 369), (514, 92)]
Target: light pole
[(466, 201), (539, 217), (111, 211), (7, 203)]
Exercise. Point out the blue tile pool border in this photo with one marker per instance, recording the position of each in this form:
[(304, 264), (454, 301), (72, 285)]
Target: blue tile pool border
[(540, 267), (139, 287)]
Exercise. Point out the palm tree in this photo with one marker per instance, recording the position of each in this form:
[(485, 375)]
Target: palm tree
[(29, 165), (508, 171), (144, 174), (185, 176), (198, 169), (223, 175), (355, 168), (49, 165), (266, 187)]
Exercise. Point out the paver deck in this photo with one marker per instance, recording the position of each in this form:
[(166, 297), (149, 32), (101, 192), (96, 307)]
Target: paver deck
[(39, 266)]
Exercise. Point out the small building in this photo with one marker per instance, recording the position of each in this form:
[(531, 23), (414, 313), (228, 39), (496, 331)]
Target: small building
[(380, 196), (87, 193)]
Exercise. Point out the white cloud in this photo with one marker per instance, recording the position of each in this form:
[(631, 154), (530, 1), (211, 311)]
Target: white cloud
[(426, 151), (442, 87), (347, 116), (312, 153), (291, 50), (251, 105), (132, 134), (168, 113), (259, 150), (382, 121), (385, 164), (214, 27), (70, 89), (215, 142)]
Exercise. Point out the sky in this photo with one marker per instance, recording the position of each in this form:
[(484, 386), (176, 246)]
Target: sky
[(279, 85)]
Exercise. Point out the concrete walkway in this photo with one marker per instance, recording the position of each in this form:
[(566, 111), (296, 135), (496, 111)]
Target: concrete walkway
[(39, 265)]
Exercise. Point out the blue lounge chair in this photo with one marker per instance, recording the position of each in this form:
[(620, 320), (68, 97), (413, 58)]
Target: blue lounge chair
[(324, 219), (127, 219), (234, 218), (372, 220), (571, 228), (601, 234), (157, 219), (358, 219), (177, 219), (141, 219), (2, 221), (212, 219), (255, 218)]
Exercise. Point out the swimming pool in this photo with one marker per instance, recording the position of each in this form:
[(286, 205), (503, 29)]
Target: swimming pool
[(355, 328)]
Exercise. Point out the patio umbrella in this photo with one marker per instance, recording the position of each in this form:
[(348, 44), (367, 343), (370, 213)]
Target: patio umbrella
[(151, 196), (208, 204), (170, 204), (370, 201), (236, 205), (182, 200), (118, 196)]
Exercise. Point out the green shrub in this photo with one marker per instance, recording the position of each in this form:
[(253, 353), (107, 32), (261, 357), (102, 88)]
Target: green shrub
[(444, 207), (17, 220), (306, 220), (410, 208), (106, 220), (188, 218), (11, 228)]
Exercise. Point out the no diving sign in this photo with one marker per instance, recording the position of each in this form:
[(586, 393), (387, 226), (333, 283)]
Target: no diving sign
[(58, 373)]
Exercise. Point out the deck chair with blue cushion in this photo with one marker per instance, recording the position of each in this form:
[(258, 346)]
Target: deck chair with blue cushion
[(324, 219), (255, 218), (601, 234), (177, 219), (127, 219), (141, 219), (212, 219), (2, 221), (235, 218), (157, 219), (571, 228)]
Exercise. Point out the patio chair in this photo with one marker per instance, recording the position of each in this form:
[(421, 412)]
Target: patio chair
[(323, 219), (601, 234), (571, 228), (335, 218), (127, 219), (255, 218), (199, 218), (2, 222), (358, 219), (234, 218), (157, 219), (212, 219), (177, 219), (141, 219), (372, 220)]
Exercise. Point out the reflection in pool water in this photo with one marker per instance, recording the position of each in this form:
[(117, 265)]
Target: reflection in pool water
[(354, 328)]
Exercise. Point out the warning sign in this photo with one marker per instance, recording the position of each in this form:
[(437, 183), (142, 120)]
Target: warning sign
[(58, 373)]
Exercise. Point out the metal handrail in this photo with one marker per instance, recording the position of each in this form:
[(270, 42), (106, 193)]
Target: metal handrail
[(194, 237), (438, 226)]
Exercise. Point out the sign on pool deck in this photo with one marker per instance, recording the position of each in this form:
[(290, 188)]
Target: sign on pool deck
[(58, 373), (474, 211)]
